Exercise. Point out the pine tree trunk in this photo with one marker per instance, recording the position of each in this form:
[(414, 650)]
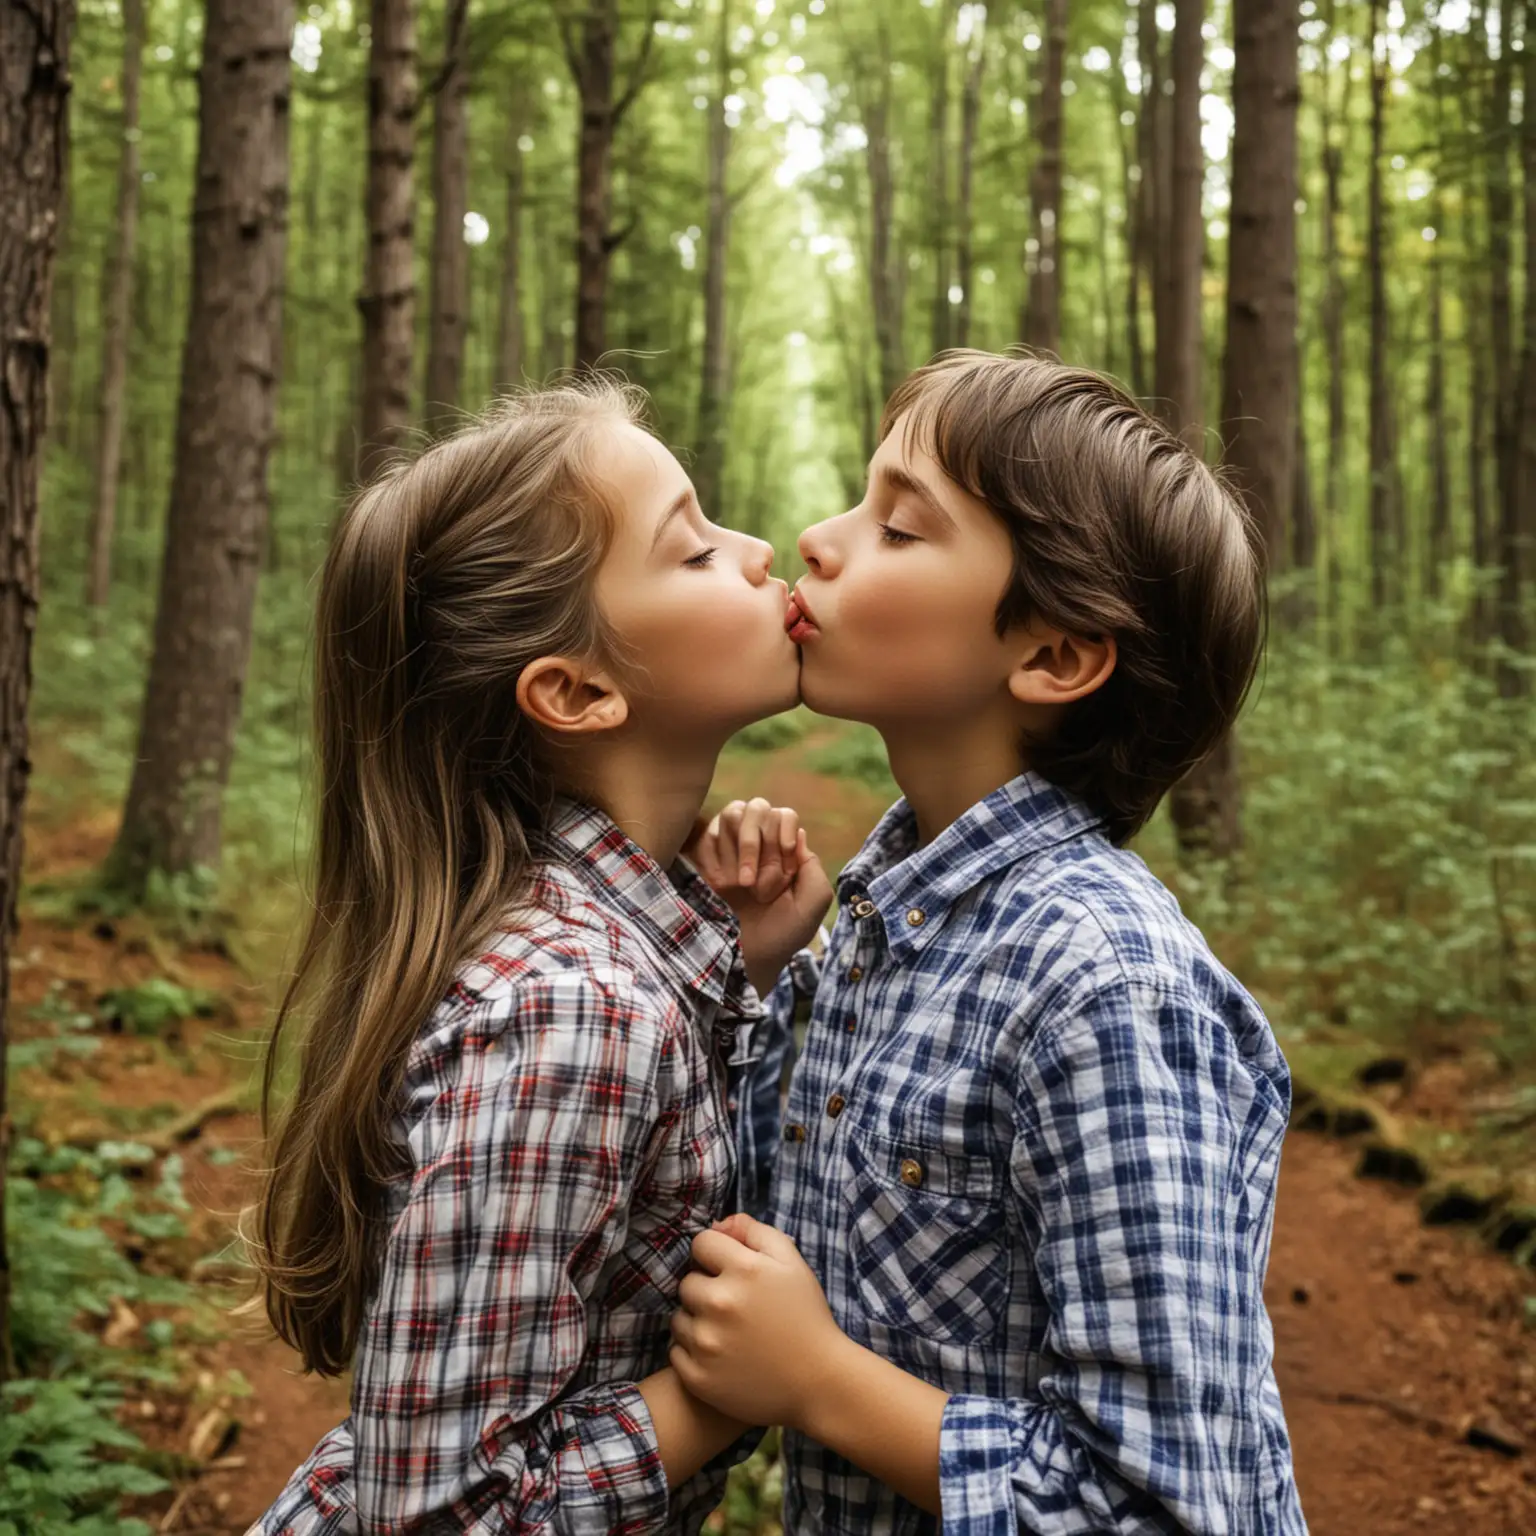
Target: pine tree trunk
[(1179, 335), (553, 351), (34, 92), (388, 302), (1385, 553), (709, 437), (117, 319), (450, 200), (1334, 291), (1131, 195), (509, 323), (63, 422), (938, 176), (224, 430), (884, 282), (1517, 521), (1261, 361), (1041, 329), (970, 114)]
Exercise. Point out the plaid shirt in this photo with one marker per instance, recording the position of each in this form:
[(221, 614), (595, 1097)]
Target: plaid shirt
[(1030, 1150), (566, 1122)]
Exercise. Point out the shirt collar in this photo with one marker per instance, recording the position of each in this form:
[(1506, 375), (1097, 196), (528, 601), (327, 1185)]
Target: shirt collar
[(693, 932), (912, 887)]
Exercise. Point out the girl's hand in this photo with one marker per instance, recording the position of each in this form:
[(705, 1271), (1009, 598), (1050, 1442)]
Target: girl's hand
[(756, 857), (754, 1336)]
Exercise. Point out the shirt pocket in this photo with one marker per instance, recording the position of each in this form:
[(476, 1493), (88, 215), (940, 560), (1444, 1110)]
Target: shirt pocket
[(927, 1238)]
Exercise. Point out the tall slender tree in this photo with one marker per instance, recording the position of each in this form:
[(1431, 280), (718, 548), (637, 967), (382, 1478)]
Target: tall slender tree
[(970, 118), (216, 525), (1179, 322), (388, 301), (938, 173), (709, 435), (592, 58), (35, 38), (117, 316), (885, 277), (509, 323), (1041, 325), (450, 202)]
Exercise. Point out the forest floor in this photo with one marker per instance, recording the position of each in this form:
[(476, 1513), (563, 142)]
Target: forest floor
[(1405, 1353)]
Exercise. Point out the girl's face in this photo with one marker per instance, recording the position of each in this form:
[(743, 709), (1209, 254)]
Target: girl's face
[(698, 616)]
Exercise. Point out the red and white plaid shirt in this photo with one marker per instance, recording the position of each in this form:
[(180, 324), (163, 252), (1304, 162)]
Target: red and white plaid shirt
[(568, 1135)]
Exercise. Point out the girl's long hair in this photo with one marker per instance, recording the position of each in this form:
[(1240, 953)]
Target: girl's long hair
[(445, 578)]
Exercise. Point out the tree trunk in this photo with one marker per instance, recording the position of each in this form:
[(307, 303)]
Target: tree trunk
[(1179, 335), (34, 92), (450, 200), (388, 302), (1041, 327), (1154, 133), (970, 113), (116, 321), (1261, 361), (63, 422), (509, 324), (553, 351), (709, 438), (1334, 291), (1517, 520), (1132, 192), (884, 281), (224, 431), (1385, 554), (938, 177)]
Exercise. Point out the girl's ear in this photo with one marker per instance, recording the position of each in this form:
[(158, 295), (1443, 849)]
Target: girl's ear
[(568, 698), (1056, 668)]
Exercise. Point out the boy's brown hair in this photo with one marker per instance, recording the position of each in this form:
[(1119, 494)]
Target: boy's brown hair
[(1118, 527)]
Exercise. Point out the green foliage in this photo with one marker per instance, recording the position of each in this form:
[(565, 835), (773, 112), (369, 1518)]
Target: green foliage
[(153, 1005), (63, 1466), (754, 1495), (773, 733), (857, 752)]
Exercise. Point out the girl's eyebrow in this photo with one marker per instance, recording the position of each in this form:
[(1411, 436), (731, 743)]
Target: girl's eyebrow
[(898, 480), (679, 505)]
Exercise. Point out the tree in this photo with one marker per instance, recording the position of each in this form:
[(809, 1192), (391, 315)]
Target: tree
[(35, 40), (970, 116), (938, 174), (509, 322), (1041, 327), (709, 436), (886, 287), (593, 68), (388, 301), (450, 201), (116, 319), (216, 525), (1179, 328), (1334, 295)]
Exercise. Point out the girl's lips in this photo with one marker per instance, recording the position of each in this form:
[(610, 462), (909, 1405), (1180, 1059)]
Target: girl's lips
[(798, 621)]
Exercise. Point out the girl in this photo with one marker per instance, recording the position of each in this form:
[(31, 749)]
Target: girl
[(510, 1118)]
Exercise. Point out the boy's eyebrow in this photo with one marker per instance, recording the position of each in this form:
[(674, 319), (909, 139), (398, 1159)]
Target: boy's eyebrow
[(899, 480), (679, 505)]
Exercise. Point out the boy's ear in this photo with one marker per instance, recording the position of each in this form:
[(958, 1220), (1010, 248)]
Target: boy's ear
[(1056, 668), (569, 698)]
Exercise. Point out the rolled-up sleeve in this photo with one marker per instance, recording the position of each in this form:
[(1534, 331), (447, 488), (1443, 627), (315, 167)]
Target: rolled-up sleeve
[(1144, 1148), (527, 1159)]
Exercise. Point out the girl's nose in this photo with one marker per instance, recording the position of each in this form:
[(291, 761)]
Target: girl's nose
[(759, 560), (818, 549)]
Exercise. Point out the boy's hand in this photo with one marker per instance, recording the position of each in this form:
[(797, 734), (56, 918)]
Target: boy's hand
[(756, 857), (754, 1336)]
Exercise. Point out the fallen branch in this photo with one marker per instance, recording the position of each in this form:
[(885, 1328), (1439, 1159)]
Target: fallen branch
[(184, 1127), (1415, 1417)]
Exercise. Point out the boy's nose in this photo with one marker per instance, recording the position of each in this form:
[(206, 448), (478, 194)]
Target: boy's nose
[(817, 549), (759, 560)]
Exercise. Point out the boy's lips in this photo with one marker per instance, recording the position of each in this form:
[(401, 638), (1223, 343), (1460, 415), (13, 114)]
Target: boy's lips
[(798, 621)]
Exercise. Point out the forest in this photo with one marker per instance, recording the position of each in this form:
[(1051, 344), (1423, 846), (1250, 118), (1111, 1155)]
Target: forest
[(251, 248)]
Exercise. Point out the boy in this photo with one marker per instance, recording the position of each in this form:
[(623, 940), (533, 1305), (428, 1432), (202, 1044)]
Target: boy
[(1030, 1149)]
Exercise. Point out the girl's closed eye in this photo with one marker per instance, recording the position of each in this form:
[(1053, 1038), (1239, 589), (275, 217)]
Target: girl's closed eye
[(889, 535), (703, 558)]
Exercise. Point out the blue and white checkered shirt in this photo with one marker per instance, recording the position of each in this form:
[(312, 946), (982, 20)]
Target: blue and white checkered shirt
[(1030, 1150)]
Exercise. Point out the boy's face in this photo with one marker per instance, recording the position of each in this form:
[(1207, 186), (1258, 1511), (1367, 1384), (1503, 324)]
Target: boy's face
[(900, 601)]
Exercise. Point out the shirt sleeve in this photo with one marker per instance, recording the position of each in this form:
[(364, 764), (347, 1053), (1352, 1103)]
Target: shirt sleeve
[(759, 1090), (526, 1159), (1143, 1177)]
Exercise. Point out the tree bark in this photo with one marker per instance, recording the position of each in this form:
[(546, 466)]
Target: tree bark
[(1385, 512), (885, 284), (1180, 336), (34, 92), (450, 200), (224, 431), (593, 68), (709, 436), (388, 302), (509, 323), (1334, 290), (117, 318), (970, 114), (1041, 327), (1261, 361), (938, 177)]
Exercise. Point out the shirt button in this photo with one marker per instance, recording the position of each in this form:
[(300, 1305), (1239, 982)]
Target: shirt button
[(835, 1106), (911, 1173), (916, 917), (853, 1022), (855, 973), (730, 1104), (794, 1133)]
